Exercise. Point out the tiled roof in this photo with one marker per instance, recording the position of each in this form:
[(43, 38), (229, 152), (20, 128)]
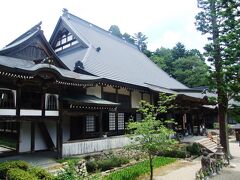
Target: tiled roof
[(117, 60)]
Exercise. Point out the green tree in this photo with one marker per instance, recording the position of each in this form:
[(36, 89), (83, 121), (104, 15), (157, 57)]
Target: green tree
[(114, 29), (140, 41), (219, 19), (163, 58), (128, 38), (150, 135), (187, 66), (191, 71), (179, 51)]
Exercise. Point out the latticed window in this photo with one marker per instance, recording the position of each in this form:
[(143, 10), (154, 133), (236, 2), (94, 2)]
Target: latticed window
[(52, 102), (112, 123), (138, 117), (65, 41), (6, 99), (120, 121), (90, 124)]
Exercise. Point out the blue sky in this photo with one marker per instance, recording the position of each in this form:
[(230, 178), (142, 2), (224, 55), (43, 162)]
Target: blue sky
[(164, 22)]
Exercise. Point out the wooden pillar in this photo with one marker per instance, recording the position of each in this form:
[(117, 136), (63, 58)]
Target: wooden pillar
[(101, 91), (18, 108), (43, 102), (116, 113), (151, 98), (142, 95), (130, 94), (59, 131), (18, 103), (32, 136), (100, 124)]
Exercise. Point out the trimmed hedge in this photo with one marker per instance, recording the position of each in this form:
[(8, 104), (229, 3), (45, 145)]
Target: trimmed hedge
[(19, 174), (6, 166)]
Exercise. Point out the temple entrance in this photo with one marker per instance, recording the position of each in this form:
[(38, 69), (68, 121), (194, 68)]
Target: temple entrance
[(8, 137)]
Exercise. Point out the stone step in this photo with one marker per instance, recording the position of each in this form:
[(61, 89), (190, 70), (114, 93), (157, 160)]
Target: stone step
[(208, 144)]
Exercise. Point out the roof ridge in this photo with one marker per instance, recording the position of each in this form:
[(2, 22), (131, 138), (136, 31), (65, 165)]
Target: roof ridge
[(105, 32), (33, 29)]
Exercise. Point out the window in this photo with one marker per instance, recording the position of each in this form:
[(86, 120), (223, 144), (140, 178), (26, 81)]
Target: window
[(138, 117), (120, 121), (6, 99), (124, 100), (52, 102), (112, 125), (90, 124), (65, 41)]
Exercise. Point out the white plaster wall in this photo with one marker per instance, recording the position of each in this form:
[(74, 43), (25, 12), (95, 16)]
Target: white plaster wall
[(25, 137), (123, 91), (146, 97), (109, 89), (136, 98), (96, 91), (39, 142), (8, 112), (66, 129)]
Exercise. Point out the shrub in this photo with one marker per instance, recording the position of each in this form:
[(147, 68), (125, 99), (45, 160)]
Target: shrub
[(91, 166), (6, 166), (69, 173), (40, 173), (19, 174), (176, 153), (194, 149), (105, 164)]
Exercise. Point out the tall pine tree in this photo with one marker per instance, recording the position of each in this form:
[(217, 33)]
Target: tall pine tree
[(219, 19)]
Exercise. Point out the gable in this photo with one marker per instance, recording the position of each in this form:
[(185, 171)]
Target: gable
[(64, 39), (32, 46)]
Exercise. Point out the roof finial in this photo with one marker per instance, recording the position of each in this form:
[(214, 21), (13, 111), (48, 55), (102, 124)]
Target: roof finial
[(65, 11)]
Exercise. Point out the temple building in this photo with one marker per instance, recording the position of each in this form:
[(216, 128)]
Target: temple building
[(75, 94)]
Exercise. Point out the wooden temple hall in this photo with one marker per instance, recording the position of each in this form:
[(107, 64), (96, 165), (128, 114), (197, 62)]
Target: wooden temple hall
[(74, 93)]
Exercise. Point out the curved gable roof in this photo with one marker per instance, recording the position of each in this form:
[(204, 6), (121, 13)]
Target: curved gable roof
[(117, 60)]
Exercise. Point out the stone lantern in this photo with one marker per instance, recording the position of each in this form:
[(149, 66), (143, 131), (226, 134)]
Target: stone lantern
[(219, 154)]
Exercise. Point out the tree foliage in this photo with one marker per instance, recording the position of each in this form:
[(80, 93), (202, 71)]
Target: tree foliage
[(219, 19), (187, 66), (140, 41), (115, 30), (128, 38), (150, 134), (191, 71)]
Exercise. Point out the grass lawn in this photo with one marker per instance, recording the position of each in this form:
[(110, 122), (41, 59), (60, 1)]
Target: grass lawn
[(138, 169), (8, 142)]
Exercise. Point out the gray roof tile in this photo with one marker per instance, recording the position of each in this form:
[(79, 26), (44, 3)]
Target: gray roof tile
[(117, 60)]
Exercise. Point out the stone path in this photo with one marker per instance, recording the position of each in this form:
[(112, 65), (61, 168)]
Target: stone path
[(187, 169)]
